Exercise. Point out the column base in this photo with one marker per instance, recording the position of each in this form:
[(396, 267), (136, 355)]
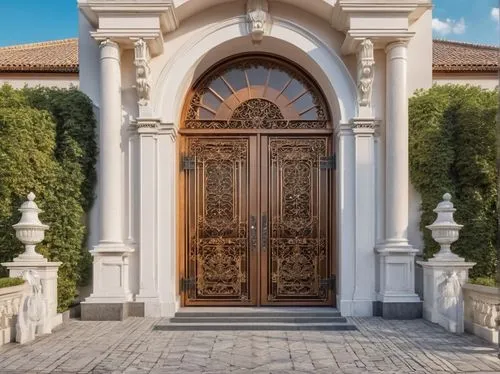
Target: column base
[(355, 308), (110, 274), (95, 311), (396, 297), (152, 305), (398, 310)]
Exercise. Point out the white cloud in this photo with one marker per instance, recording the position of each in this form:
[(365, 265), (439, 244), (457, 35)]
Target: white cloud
[(495, 14), (448, 26)]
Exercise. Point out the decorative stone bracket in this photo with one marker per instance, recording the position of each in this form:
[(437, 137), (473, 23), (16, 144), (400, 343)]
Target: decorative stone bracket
[(259, 19), (366, 74), (143, 77)]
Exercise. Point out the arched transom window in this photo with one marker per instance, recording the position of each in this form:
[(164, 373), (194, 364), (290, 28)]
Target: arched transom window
[(257, 92)]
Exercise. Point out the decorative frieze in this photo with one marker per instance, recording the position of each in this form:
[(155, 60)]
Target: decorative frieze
[(259, 19), (366, 73)]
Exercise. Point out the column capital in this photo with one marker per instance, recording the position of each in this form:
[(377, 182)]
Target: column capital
[(396, 43), (364, 126), (109, 49), (153, 126), (343, 129)]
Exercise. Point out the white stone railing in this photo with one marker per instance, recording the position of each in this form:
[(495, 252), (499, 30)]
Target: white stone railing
[(482, 310), (10, 300)]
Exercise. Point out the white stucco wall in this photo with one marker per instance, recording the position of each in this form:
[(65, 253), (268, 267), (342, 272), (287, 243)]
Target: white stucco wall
[(20, 80), (487, 81)]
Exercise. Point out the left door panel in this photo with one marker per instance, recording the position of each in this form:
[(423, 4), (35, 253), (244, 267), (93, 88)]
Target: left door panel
[(221, 228)]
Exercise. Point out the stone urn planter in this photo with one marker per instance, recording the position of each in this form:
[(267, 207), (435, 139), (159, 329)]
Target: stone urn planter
[(29, 230)]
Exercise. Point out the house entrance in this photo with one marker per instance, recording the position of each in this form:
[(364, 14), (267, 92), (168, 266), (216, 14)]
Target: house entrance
[(257, 173)]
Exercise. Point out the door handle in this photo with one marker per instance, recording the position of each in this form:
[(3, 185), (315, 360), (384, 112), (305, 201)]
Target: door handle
[(253, 233), (264, 233)]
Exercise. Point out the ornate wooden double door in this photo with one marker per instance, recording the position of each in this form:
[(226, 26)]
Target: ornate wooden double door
[(257, 194)]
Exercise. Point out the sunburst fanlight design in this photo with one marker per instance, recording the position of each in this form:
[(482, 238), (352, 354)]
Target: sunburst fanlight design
[(258, 92)]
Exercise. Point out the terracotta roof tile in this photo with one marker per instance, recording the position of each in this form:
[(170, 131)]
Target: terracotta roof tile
[(62, 56), (51, 56), (448, 56)]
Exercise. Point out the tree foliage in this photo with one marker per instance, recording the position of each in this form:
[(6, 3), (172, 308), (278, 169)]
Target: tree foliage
[(47, 145), (453, 149)]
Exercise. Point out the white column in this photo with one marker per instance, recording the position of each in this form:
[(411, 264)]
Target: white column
[(396, 230), (110, 269), (364, 181), (396, 258), (110, 178), (345, 219)]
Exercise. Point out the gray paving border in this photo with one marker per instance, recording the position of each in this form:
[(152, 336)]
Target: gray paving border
[(132, 346)]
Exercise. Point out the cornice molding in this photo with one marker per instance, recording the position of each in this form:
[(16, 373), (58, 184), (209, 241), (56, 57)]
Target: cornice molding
[(157, 17), (400, 14)]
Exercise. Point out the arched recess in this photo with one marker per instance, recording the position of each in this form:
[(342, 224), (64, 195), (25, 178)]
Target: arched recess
[(217, 42), (257, 177)]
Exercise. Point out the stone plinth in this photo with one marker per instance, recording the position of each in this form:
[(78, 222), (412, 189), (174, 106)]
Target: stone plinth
[(47, 272), (443, 297)]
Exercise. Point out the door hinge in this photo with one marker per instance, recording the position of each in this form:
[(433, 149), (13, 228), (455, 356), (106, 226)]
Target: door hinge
[(328, 283), (186, 284), (328, 162), (188, 163)]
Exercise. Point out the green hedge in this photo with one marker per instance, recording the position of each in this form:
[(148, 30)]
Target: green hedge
[(10, 282), (47, 145), (452, 144)]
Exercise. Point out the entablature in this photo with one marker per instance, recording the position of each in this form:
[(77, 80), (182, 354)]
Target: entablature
[(381, 21), (125, 21)]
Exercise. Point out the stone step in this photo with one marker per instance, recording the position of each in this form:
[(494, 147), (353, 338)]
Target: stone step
[(258, 319), (222, 326), (225, 312)]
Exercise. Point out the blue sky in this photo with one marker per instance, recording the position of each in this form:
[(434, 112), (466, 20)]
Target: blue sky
[(474, 21), (25, 21)]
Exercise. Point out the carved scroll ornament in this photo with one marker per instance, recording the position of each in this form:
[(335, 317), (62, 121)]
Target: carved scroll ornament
[(366, 72), (142, 72), (258, 18)]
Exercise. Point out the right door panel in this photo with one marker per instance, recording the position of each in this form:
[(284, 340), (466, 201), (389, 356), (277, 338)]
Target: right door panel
[(296, 201)]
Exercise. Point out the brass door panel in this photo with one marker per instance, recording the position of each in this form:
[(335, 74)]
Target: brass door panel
[(295, 210), (258, 221), (221, 228)]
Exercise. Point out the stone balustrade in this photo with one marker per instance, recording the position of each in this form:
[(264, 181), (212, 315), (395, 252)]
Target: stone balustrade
[(10, 300), (482, 310)]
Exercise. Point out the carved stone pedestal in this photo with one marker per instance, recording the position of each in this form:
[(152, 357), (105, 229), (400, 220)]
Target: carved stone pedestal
[(443, 297), (47, 271)]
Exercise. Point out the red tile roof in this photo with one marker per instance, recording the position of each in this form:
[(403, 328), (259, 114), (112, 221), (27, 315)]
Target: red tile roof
[(62, 56), (57, 56), (448, 56)]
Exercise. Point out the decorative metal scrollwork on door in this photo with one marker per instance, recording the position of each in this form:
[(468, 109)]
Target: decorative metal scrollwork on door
[(299, 231), (217, 219)]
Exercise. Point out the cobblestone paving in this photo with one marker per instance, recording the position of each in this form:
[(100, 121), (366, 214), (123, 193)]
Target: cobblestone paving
[(133, 347)]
